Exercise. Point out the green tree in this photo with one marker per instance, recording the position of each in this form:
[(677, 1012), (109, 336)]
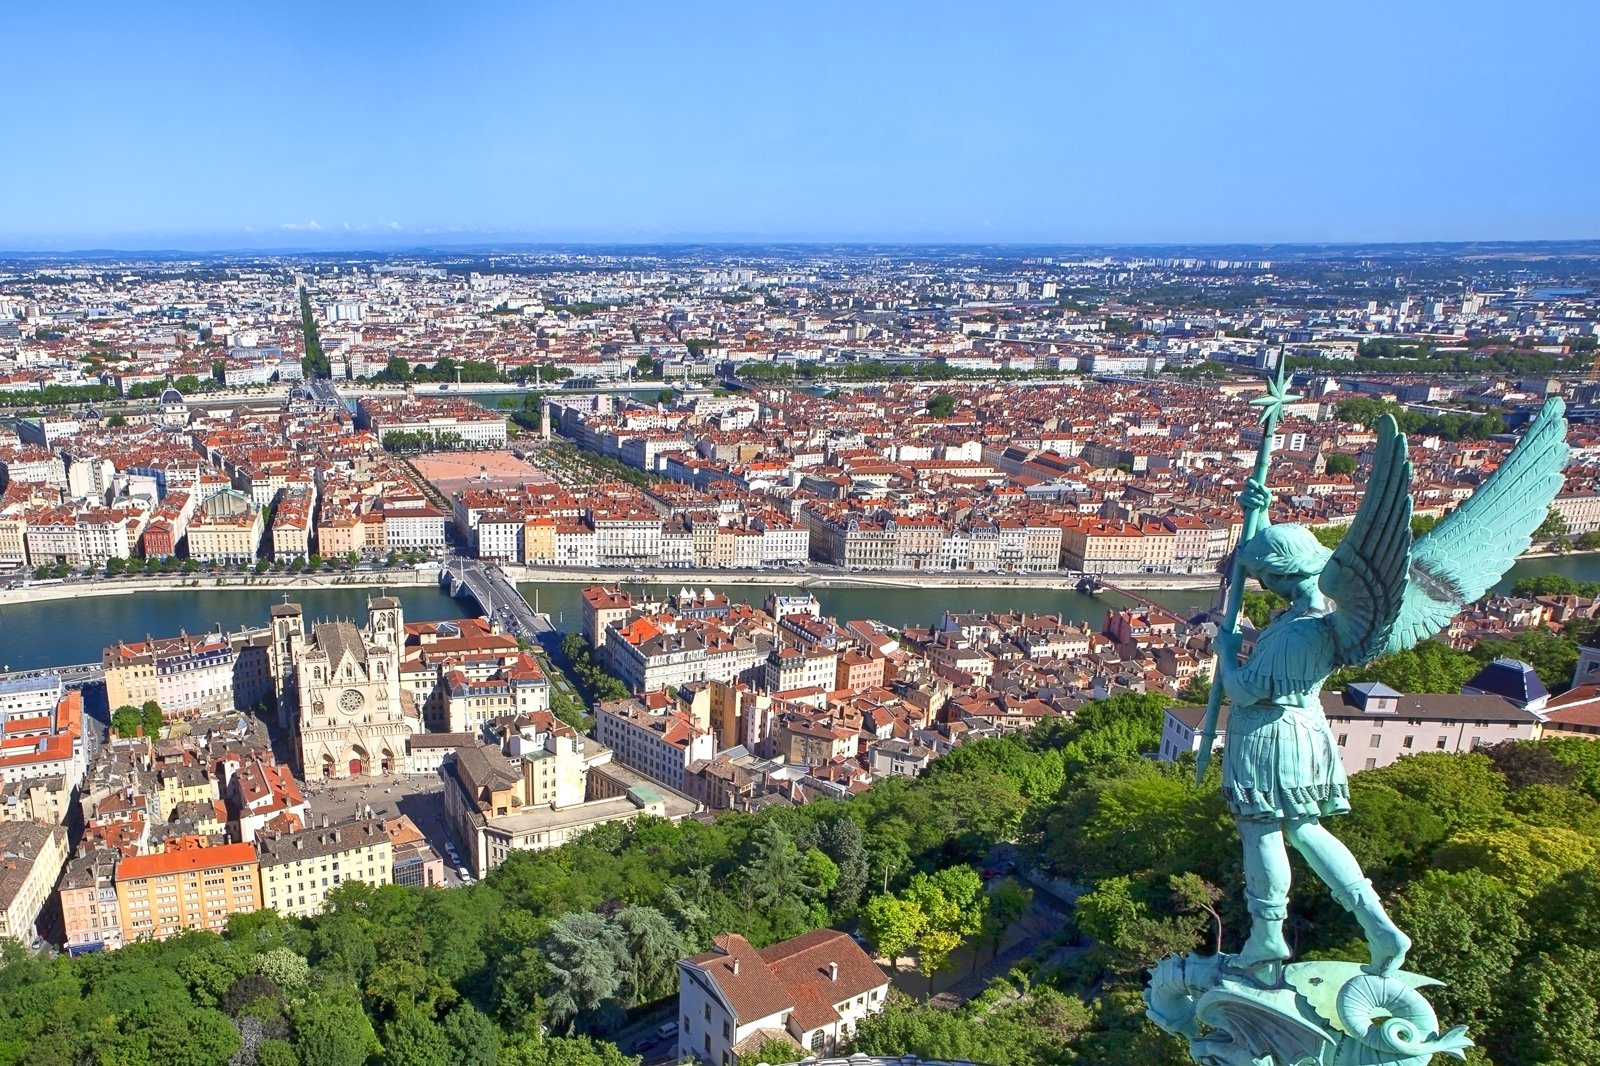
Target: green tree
[(1431, 666), (148, 1033), (127, 720), (565, 1051), (1007, 902), (1259, 605), (1191, 894), (934, 948), (284, 968), (774, 1051), (651, 950), (779, 882), (414, 1039), (1553, 526), (584, 960), (1468, 930), (150, 715), (1553, 1011), (274, 1052), (1340, 463), (1131, 936), (943, 405), (332, 1030), (842, 841), (892, 925), (474, 1038), (1525, 858)]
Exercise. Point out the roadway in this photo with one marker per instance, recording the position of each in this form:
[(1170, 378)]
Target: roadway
[(75, 676), (498, 598)]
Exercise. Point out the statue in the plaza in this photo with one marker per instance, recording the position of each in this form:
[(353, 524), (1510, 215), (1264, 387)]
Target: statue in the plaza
[(1377, 592)]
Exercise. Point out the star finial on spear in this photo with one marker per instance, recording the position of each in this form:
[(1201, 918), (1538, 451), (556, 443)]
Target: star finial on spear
[(1278, 395)]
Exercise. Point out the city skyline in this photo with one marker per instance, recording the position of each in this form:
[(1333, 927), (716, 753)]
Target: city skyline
[(369, 127)]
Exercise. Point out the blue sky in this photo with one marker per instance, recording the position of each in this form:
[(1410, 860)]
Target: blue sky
[(350, 125)]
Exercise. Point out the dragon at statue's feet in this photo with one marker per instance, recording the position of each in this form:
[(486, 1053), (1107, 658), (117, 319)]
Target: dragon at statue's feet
[(1314, 1014)]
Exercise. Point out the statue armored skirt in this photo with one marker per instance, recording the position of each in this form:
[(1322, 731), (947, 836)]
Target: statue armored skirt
[(1281, 763)]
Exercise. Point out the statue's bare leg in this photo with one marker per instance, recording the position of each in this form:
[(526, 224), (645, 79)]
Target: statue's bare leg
[(1338, 869), (1266, 892)]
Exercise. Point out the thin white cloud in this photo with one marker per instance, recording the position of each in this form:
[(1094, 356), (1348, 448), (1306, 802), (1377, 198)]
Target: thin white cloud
[(312, 224)]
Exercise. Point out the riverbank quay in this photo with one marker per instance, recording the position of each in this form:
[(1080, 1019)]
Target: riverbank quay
[(37, 592), (805, 579), (820, 577)]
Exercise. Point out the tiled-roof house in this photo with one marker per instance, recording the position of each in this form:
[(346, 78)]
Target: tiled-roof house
[(812, 990)]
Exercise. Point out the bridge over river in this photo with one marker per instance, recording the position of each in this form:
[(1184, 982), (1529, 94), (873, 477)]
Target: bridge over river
[(498, 599)]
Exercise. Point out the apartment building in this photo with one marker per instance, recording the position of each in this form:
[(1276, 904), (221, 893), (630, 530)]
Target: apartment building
[(809, 738), (299, 869), (598, 607), (31, 858), (438, 418), (1092, 546), (291, 525), (658, 742), (226, 528), (791, 668), (41, 731), (412, 524), (187, 886), (496, 804), (189, 675), (90, 918)]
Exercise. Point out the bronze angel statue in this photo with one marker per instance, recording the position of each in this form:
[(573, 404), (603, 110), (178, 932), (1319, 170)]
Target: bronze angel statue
[(1378, 592)]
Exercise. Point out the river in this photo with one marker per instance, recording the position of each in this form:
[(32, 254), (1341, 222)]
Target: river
[(59, 632)]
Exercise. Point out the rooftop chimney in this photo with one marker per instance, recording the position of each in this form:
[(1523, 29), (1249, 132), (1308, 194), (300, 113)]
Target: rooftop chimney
[(736, 967), (833, 971)]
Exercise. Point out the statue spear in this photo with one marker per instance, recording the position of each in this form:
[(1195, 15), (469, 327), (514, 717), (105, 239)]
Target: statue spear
[(1233, 600)]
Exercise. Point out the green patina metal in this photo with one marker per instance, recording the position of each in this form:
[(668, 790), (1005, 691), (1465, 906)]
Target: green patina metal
[(1378, 592)]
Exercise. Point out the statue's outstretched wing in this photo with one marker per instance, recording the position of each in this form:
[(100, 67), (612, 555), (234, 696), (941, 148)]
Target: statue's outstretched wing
[(1366, 577), (1462, 557)]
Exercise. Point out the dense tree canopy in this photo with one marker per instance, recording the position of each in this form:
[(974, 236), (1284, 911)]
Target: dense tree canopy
[(1491, 860)]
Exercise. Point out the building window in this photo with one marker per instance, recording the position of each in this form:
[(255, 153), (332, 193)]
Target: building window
[(1377, 741), (1343, 737), (1372, 764), (1407, 742), (1442, 742)]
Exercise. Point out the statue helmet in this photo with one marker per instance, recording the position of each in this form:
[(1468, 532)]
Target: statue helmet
[(1288, 550)]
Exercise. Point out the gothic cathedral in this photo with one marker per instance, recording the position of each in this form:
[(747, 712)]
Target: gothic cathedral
[(339, 691)]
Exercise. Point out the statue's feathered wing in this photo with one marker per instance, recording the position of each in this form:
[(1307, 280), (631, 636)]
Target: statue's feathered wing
[(1366, 577), (1471, 549)]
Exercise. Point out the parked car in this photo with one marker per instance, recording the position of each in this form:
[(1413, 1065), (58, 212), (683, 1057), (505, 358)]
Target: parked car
[(667, 1031)]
